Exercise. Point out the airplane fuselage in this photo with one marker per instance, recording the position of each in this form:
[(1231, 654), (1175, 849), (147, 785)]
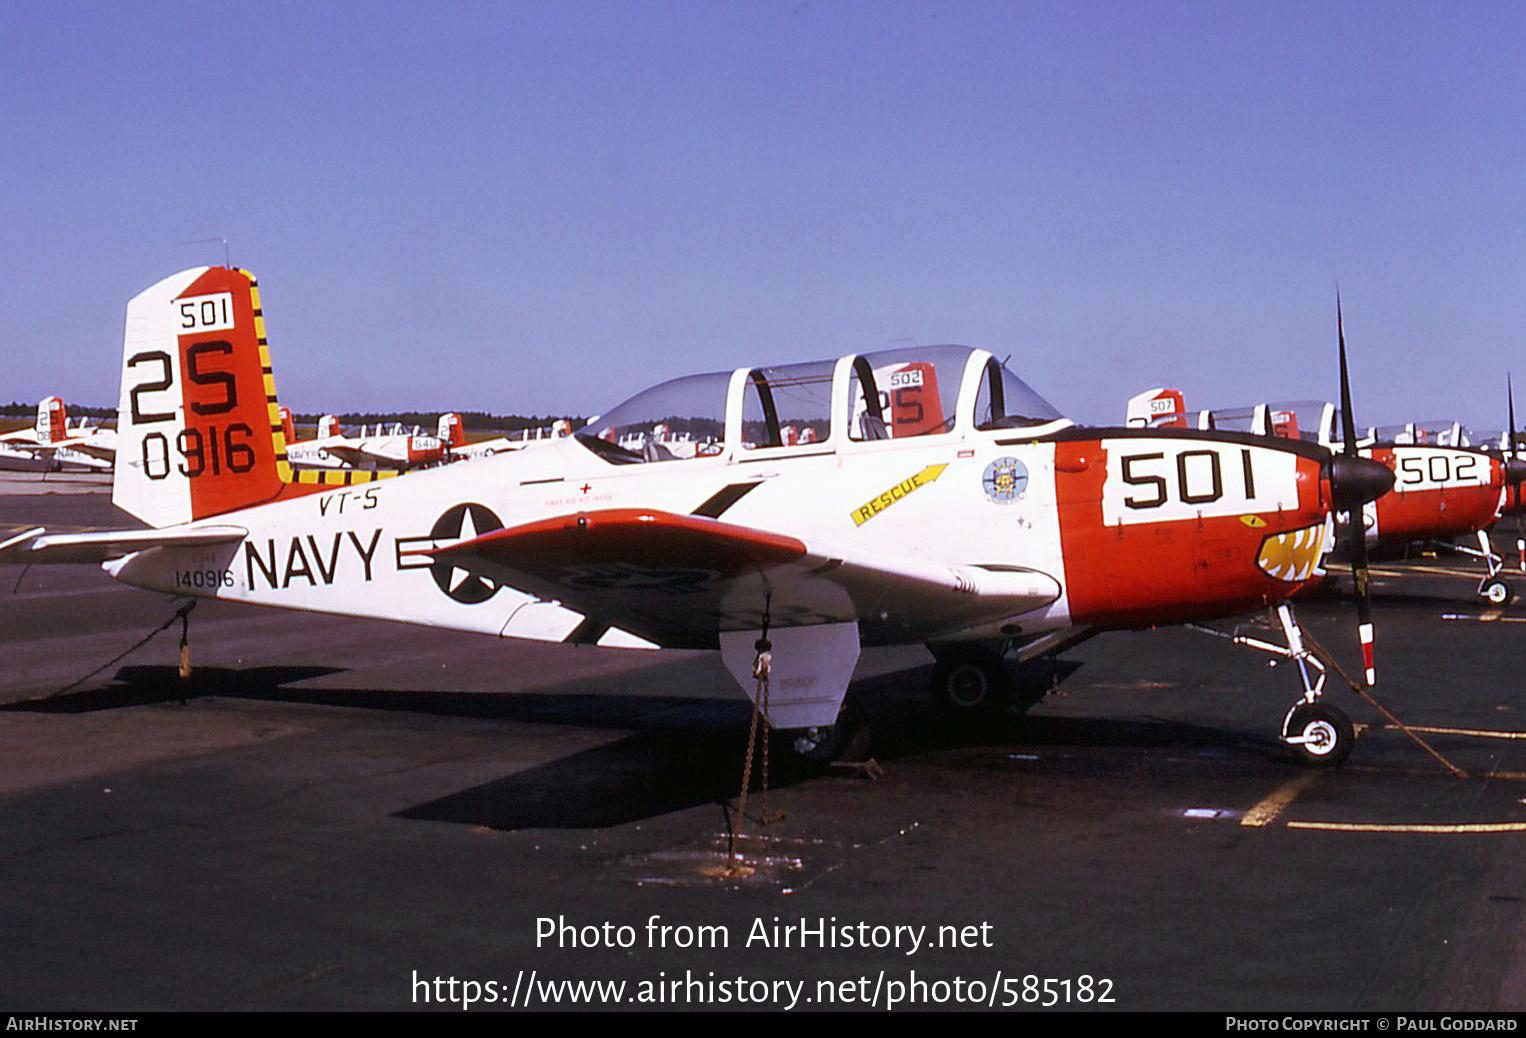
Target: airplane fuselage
[(1439, 493), (1138, 528)]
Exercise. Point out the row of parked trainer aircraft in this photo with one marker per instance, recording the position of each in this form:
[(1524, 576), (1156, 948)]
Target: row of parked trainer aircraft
[(54, 445), (1450, 483), (784, 515)]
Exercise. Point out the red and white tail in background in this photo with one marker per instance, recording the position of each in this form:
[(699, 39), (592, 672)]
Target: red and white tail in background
[(199, 429), (288, 425), (915, 406), (328, 427), (52, 421), (1284, 423), (452, 433), (1157, 409)]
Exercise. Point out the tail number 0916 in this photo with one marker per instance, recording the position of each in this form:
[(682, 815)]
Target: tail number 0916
[(208, 450)]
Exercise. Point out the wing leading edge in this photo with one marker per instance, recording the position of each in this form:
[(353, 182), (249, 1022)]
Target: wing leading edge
[(38, 546), (680, 580)]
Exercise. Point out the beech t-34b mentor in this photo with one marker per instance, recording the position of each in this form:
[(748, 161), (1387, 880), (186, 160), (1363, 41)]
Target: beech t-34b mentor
[(922, 495)]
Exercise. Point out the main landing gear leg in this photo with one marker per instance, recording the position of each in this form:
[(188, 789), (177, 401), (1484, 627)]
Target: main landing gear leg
[(1318, 733)]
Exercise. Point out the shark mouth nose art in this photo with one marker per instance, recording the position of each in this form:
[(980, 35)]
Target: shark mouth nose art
[(1293, 556)]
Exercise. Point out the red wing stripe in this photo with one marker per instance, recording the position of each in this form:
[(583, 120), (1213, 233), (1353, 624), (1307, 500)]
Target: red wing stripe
[(631, 535)]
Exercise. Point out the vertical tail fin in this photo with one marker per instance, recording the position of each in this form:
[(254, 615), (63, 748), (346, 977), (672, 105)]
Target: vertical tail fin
[(451, 430), (199, 428), (915, 407), (1157, 408), (52, 421), (1285, 424), (288, 425), (328, 427)]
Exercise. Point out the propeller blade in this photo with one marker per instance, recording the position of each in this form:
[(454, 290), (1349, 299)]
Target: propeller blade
[(1520, 534), (1357, 554), (1510, 403), (1356, 535), (1348, 423)]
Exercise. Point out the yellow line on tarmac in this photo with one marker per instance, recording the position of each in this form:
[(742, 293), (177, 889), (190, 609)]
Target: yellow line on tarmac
[(1267, 811), (1368, 769), (1438, 571), (1383, 827), (1482, 733)]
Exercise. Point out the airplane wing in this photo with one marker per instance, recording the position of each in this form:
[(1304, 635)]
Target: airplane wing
[(47, 452), (355, 457), (96, 450), (679, 580), (32, 447), (37, 545)]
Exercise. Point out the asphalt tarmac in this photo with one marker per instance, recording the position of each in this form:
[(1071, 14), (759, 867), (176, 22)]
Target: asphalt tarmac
[(339, 814)]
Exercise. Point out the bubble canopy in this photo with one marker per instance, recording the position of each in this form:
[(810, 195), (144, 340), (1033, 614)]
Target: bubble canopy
[(819, 406)]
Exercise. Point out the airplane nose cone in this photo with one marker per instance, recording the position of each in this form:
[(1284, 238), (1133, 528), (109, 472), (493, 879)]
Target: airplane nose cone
[(1356, 481), (1515, 471)]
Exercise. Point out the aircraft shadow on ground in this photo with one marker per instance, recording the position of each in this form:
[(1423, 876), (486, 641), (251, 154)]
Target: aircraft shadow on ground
[(657, 772), (683, 751), (633, 779), (145, 686)]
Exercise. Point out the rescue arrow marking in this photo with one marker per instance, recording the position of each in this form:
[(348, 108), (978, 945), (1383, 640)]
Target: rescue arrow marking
[(875, 506)]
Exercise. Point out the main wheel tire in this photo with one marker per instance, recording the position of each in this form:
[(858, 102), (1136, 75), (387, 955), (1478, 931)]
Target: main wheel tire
[(1328, 730), (972, 680), (1496, 592)]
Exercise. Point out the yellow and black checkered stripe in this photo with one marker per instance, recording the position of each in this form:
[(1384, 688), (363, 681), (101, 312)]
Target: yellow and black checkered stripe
[(284, 469)]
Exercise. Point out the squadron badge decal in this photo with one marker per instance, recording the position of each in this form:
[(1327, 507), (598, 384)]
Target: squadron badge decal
[(1005, 480)]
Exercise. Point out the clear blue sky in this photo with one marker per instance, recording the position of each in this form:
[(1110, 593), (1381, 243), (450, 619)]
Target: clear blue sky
[(543, 207)]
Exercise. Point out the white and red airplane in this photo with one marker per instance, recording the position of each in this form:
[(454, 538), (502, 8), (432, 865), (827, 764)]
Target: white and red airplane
[(1443, 488), (452, 432), (51, 444), (398, 451), (939, 500)]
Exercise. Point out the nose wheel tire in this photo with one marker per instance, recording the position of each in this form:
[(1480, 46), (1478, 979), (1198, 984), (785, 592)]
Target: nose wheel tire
[(1320, 735), (1496, 592)]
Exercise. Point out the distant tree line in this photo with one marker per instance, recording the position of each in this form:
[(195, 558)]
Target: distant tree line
[(16, 410)]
